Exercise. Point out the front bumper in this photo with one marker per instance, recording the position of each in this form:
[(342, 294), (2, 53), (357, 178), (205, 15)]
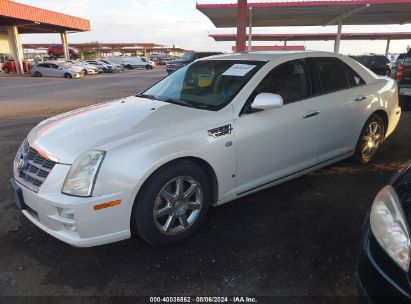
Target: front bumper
[(89, 227), (380, 280)]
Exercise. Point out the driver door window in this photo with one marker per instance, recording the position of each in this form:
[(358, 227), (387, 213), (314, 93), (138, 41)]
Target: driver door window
[(289, 80)]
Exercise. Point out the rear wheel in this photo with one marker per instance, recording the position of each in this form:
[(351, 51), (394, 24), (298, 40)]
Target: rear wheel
[(371, 138), (6, 70), (37, 74), (172, 204), (129, 67)]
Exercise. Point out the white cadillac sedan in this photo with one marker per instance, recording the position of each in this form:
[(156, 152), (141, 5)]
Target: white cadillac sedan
[(215, 130)]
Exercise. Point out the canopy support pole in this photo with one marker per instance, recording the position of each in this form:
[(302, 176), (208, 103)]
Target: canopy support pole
[(338, 38), (241, 25), (16, 48), (250, 29), (387, 49), (66, 50)]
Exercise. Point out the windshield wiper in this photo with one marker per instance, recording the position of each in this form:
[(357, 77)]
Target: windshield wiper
[(179, 102), (152, 97)]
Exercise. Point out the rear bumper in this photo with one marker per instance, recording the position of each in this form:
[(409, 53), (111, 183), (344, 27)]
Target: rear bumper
[(379, 279)]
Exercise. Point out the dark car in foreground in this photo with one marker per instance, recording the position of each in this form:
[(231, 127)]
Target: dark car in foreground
[(379, 64), (174, 65), (384, 264)]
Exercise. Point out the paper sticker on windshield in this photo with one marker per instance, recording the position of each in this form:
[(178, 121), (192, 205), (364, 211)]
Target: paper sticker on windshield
[(239, 70)]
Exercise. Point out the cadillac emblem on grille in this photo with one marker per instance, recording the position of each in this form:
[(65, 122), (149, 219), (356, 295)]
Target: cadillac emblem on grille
[(20, 164), (32, 168)]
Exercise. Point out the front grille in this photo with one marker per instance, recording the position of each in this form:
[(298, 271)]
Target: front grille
[(33, 169)]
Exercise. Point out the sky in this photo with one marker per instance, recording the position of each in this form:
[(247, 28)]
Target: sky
[(177, 22)]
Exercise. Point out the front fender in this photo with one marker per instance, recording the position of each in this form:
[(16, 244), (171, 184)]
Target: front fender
[(127, 168)]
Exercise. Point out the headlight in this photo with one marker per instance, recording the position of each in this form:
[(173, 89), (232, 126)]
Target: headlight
[(389, 227), (82, 175)]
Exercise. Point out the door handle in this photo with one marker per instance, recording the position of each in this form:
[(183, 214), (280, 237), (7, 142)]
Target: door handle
[(360, 98), (311, 114)]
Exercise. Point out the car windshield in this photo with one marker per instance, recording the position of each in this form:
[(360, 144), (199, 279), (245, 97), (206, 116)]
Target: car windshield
[(207, 84), (187, 56)]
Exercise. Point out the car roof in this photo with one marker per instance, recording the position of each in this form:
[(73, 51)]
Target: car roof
[(271, 55)]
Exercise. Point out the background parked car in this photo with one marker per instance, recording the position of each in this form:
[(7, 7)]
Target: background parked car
[(114, 66), (57, 50), (403, 77), (174, 65), (131, 62), (88, 69), (10, 67), (379, 64), (384, 262), (56, 69), (103, 66)]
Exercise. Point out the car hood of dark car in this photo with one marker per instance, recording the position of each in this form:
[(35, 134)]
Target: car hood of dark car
[(179, 61)]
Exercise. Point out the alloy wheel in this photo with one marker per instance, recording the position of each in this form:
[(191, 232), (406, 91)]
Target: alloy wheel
[(178, 205), (371, 140)]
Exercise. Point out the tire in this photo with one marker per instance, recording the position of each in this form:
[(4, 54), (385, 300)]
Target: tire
[(147, 67), (37, 74), (154, 229), (129, 67), (68, 75), (6, 70), (364, 152)]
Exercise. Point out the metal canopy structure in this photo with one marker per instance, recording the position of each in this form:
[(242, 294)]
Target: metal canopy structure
[(310, 13), (313, 13), (316, 37), (111, 47)]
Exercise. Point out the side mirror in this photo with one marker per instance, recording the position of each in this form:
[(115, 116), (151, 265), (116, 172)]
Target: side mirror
[(264, 101)]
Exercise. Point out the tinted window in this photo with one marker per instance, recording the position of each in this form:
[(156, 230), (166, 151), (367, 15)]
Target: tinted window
[(408, 56), (289, 80), (44, 65), (331, 74), (354, 80)]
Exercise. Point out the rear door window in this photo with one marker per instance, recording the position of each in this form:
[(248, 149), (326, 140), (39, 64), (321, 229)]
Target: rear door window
[(354, 80), (331, 75)]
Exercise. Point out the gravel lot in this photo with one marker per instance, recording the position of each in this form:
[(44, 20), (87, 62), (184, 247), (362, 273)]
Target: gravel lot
[(297, 241)]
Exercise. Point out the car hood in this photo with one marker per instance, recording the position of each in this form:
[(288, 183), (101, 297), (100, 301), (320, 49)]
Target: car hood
[(105, 126)]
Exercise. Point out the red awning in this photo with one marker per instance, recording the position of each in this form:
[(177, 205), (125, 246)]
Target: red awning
[(31, 19)]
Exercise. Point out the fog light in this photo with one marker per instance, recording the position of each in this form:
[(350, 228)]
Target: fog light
[(66, 213)]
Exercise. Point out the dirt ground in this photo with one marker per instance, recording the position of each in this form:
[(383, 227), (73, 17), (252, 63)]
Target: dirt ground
[(297, 241)]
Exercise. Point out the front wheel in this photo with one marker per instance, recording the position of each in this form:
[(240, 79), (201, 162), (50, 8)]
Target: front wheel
[(68, 75), (371, 138), (172, 204), (6, 70)]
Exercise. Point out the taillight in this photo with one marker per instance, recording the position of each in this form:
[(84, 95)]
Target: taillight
[(399, 73)]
